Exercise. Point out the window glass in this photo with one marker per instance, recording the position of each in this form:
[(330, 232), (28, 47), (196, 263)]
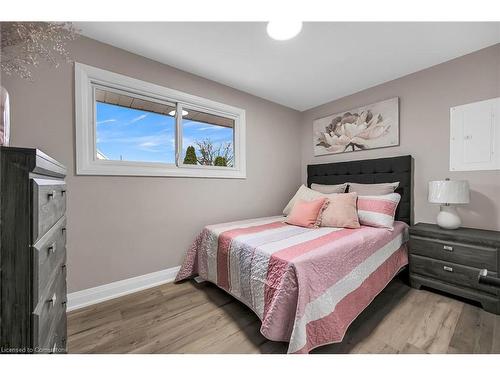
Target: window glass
[(207, 139), (131, 128)]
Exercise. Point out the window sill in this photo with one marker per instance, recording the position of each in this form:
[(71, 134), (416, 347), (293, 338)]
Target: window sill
[(156, 170)]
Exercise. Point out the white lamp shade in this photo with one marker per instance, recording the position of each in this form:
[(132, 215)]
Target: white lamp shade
[(451, 192)]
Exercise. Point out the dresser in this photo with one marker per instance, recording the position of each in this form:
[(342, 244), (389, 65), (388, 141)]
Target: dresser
[(450, 261), (32, 252)]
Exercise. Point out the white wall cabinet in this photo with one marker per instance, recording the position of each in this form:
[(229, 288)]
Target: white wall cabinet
[(475, 136)]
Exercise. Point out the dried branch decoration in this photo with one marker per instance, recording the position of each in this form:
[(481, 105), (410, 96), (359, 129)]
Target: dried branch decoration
[(25, 44)]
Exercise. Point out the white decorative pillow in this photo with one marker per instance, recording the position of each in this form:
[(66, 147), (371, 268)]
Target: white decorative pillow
[(329, 189), (378, 210), (305, 194)]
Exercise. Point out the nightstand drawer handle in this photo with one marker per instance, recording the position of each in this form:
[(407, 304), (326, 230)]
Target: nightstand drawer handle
[(449, 269), (448, 248)]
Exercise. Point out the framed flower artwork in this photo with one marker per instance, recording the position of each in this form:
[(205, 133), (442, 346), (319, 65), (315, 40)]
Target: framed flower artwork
[(364, 128)]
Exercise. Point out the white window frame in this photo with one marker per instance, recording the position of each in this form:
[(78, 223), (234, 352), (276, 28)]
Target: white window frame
[(87, 77)]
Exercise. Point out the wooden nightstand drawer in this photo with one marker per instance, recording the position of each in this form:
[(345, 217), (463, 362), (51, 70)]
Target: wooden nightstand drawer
[(464, 254), (450, 260), (449, 272)]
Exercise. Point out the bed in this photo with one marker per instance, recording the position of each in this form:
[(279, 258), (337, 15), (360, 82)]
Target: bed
[(308, 285)]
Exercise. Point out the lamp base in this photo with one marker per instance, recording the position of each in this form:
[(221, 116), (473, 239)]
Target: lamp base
[(448, 217)]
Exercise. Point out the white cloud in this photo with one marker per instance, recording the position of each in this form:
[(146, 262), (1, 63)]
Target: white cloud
[(152, 143), (138, 118), (105, 121), (210, 128), (149, 144)]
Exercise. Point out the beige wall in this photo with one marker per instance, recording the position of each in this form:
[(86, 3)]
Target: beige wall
[(425, 100), (120, 227)]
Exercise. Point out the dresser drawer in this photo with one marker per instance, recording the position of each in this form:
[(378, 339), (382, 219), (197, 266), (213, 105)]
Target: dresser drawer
[(472, 256), (49, 254), (449, 272), (48, 205), (56, 342), (62, 335), (49, 310)]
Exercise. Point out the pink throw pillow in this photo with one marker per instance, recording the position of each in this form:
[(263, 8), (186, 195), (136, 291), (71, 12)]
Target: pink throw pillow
[(307, 213), (341, 211), (378, 210)]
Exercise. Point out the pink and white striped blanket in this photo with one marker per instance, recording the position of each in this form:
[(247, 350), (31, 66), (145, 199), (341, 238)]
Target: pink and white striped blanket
[(305, 285)]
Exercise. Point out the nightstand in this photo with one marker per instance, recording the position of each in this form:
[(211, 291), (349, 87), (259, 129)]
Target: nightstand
[(450, 260)]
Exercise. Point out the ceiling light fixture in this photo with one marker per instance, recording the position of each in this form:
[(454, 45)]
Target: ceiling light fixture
[(172, 113), (283, 30)]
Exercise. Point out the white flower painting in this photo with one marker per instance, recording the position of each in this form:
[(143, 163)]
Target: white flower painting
[(369, 127)]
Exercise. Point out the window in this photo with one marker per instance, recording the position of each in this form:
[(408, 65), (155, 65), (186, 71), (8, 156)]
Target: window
[(126, 126), (210, 137), (133, 129)]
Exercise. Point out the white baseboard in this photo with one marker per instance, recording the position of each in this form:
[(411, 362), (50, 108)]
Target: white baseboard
[(102, 293)]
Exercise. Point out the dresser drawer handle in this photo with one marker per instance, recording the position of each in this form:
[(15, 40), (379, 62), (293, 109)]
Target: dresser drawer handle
[(53, 300), (448, 248), (448, 269), (52, 194), (52, 248)]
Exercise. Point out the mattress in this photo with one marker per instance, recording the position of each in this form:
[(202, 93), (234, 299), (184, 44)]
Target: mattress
[(306, 285)]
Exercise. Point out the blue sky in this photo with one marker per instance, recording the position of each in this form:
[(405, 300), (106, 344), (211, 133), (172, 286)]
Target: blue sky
[(137, 135)]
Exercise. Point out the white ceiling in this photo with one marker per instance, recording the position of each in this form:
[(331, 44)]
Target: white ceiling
[(324, 62)]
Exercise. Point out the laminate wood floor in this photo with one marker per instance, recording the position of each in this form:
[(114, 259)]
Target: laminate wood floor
[(200, 318)]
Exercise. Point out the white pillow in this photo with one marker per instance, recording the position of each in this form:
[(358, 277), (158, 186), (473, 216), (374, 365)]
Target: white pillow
[(329, 189), (373, 189), (305, 194)]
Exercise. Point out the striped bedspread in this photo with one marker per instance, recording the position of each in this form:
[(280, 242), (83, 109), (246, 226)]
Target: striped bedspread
[(305, 285)]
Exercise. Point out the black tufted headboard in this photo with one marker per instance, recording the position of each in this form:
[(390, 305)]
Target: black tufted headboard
[(368, 172)]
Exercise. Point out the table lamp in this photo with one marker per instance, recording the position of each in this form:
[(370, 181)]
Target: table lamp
[(449, 193)]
